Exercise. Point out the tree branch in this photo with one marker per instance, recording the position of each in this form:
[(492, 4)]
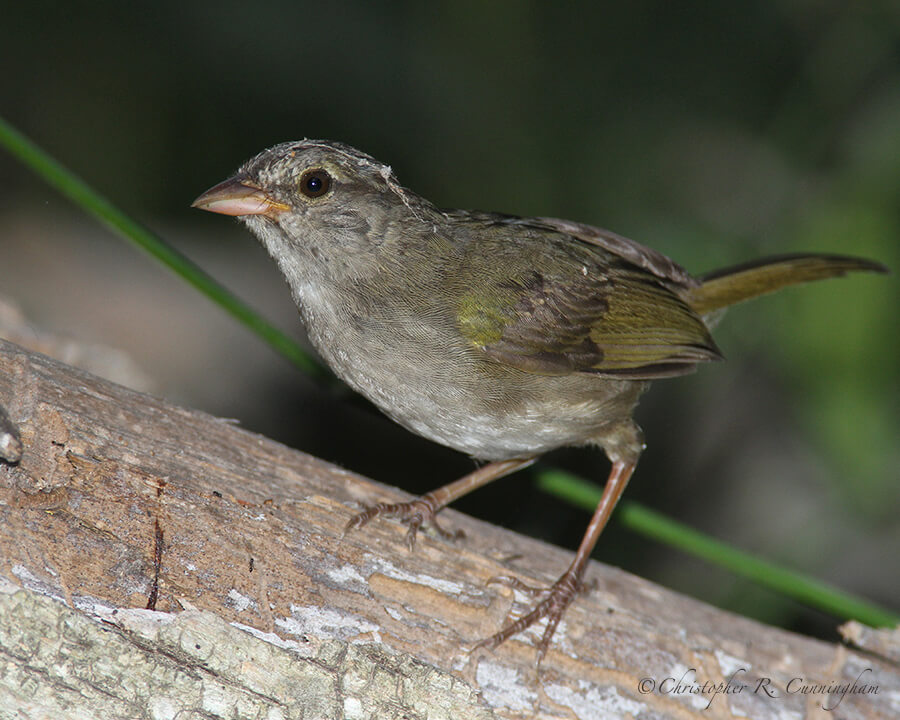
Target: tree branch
[(261, 607)]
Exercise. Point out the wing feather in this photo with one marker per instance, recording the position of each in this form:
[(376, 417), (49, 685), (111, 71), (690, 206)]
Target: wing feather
[(588, 309)]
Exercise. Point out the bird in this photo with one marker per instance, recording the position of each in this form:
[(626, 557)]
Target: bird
[(502, 337)]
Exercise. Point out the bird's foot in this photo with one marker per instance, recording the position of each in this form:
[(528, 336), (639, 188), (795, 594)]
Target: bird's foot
[(415, 514), (560, 595)]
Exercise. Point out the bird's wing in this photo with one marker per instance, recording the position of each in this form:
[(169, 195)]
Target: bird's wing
[(579, 309), (638, 255)]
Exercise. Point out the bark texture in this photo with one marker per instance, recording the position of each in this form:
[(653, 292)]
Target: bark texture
[(163, 563)]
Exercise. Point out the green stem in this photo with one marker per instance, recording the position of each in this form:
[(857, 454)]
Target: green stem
[(92, 202), (650, 523)]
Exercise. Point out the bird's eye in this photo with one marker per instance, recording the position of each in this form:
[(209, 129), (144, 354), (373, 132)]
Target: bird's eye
[(315, 183)]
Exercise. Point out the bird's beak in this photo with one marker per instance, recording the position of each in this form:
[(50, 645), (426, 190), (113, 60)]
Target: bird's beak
[(236, 196)]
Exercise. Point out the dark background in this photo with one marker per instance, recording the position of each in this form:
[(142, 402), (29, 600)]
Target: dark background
[(714, 132)]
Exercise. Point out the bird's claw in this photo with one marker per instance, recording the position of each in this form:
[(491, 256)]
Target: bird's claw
[(516, 584), (415, 514), (558, 597)]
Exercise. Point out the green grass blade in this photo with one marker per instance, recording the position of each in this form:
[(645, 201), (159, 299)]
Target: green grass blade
[(93, 203), (650, 523)]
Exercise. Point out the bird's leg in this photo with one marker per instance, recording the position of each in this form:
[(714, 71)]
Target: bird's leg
[(422, 510), (571, 582)]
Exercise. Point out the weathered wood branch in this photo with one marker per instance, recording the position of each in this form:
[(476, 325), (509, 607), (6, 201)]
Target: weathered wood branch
[(263, 608)]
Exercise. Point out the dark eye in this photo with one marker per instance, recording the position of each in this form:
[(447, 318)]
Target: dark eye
[(315, 183)]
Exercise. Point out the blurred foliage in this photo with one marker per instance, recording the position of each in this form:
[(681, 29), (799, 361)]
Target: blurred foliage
[(715, 132)]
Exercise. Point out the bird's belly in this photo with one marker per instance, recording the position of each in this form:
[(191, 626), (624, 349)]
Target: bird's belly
[(482, 408), (429, 380), (498, 435)]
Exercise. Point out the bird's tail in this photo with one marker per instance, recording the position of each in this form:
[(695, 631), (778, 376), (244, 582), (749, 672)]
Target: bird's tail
[(722, 288)]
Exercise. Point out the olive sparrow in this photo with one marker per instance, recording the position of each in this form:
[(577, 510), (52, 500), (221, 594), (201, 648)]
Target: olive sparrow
[(502, 337)]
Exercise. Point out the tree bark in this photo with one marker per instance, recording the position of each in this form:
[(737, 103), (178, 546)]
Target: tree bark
[(162, 563)]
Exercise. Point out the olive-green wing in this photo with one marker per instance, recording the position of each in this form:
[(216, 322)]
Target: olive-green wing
[(629, 250), (609, 318)]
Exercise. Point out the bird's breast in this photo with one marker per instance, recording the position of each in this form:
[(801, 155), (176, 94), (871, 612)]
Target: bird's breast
[(412, 362)]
